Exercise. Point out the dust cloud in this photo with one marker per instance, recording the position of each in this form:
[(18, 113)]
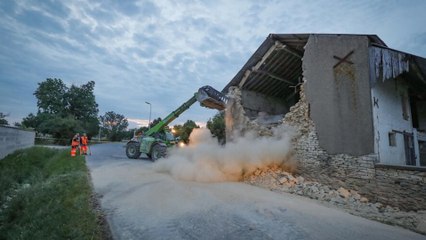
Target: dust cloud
[(204, 160)]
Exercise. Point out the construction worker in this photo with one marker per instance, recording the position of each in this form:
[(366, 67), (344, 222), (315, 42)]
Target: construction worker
[(84, 142), (75, 143)]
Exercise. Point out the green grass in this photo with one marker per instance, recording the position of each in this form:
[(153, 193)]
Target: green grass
[(46, 194)]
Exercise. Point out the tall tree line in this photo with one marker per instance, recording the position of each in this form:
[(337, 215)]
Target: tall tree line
[(64, 111)]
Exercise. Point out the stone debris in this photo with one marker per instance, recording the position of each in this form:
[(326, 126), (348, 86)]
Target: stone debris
[(276, 179), (343, 192), (306, 146)]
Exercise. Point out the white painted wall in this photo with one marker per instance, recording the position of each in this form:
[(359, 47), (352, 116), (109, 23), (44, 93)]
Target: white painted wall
[(12, 139), (388, 116)]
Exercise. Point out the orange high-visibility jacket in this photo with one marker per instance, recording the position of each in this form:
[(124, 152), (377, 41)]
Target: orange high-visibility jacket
[(84, 140), (75, 142)]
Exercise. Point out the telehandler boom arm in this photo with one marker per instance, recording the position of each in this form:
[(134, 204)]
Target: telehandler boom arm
[(207, 96), (172, 116)]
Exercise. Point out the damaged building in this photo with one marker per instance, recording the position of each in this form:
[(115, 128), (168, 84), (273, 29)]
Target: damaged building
[(358, 105)]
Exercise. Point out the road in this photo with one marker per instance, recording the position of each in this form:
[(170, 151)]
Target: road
[(143, 204)]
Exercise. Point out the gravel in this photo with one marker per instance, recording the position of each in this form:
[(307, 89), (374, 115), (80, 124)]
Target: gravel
[(278, 180)]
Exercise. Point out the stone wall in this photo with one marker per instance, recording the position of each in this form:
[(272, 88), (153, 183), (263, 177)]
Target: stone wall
[(403, 188), (12, 139), (389, 185)]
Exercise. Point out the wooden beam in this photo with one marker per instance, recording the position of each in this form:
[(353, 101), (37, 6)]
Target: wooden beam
[(274, 76), (245, 77), (291, 51), (260, 63)]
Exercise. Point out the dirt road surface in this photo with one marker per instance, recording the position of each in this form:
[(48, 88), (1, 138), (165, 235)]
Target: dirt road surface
[(143, 204)]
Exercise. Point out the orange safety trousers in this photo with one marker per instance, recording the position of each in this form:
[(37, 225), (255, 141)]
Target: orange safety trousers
[(83, 146), (74, 146), (83, 149), (73, 151)]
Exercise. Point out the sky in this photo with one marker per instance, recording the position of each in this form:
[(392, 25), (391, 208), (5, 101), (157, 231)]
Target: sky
[(162, 51)]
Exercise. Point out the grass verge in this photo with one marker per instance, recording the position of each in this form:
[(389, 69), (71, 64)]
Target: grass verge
[(46, 194)]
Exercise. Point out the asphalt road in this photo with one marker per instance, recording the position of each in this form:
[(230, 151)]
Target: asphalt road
[(143, 204)]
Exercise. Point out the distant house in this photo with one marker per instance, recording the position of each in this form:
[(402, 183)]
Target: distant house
[(366, 103)]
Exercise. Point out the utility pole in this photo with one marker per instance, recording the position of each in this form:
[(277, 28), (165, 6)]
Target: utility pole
[(100, 129), (149, 122)]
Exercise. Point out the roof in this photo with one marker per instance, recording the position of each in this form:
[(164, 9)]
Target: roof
[(416, 67), (276, 66)]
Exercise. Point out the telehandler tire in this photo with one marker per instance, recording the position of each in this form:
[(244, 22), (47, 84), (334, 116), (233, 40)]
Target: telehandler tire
[(158, 151), (132, 150)]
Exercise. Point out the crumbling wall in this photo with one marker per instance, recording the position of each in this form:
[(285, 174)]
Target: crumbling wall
[(401, 188), (256, 103), (236, 119), (405, 189), (315, 162)]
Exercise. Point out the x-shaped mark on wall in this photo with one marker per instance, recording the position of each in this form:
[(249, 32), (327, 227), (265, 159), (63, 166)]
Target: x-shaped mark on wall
[(344, 59)]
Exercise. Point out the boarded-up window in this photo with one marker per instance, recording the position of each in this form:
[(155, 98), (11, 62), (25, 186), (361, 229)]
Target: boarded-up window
[(410, 156), (422, 151), (405, 107), (392, 139)]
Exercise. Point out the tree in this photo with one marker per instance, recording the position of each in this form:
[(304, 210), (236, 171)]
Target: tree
[(114, 125), (154, 122), (50, 96), (90, 126), (3, 120), (185, 130), (31, 121), (141, 130), (64, 111), (61, 128), (217, 127), (81, 101), (177, 130)]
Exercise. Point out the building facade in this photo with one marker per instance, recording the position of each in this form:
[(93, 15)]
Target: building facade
[(359, 107)]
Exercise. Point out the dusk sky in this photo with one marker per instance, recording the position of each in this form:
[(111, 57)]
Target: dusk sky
[(162, 51)]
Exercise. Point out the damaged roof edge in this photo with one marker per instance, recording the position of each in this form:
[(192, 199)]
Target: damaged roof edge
[(417, 61), (421, 64), (256, 57), (294, 41)]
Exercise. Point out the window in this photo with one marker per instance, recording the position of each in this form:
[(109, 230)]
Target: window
[(410, 155), (405, 107), (422, 151), (392, 139)]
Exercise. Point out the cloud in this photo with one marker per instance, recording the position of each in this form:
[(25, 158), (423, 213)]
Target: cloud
[(162, 51), (134, 122), (137, 123)]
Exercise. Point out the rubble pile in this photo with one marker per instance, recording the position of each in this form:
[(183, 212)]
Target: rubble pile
[(306, 147), (276, 179)]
